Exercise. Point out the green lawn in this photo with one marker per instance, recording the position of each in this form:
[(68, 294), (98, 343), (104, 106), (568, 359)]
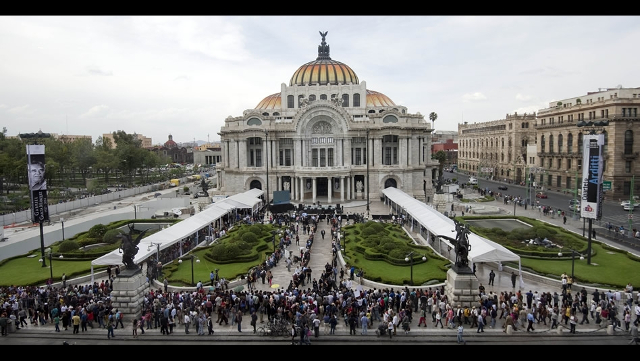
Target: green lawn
[(609, 267)]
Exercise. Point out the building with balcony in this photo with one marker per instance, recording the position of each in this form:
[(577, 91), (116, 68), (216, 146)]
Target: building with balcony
[(326, 136), (559, 140), (146, 141), (497, 149)]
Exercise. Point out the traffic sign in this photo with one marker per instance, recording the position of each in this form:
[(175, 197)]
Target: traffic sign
[(606, 185)]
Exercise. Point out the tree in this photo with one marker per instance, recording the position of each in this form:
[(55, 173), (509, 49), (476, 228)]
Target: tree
[(106, 160), (441, 157), (83, 157), (432, 117)]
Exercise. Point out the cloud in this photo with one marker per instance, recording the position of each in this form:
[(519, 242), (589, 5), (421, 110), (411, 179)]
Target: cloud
[(22, 110), (182, 77), (473, 97), (98, 111), (93, 70), (523, 97), (2, 106)]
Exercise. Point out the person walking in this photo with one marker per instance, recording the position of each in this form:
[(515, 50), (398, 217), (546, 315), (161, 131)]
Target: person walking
[(460, 338), (390, 328), (513, 279), (239, 320), (134, 328), (187, 322), (254, 320), (439, 319), (530, 320), (364, 321), (110, 328), (480, 323), (75, 321), (492, 276)]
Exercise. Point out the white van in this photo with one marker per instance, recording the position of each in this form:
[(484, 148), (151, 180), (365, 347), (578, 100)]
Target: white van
[(473, 181)]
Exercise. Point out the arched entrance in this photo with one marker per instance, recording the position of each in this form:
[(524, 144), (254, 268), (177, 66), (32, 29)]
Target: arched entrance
[(255, 184), (390, 183)]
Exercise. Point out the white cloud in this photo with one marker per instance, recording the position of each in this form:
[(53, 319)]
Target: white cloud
[(94, 70), (473, 97), (523, 97), (22, 110), (98, 111)]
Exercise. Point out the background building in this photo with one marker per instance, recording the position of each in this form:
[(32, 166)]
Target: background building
[(325, 136), (146, 141), (178, 154), (559, 142), (497, 149)]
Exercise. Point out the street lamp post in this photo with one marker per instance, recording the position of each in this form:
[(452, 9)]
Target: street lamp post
[(409, 258), (62, 221), (50, 256), (193, 257), (158, 269), (367, 155), (573, 259), (266, 139)]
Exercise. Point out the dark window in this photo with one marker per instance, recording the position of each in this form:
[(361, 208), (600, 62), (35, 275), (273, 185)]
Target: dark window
[(356, 100), (289, 101), (628, 142)]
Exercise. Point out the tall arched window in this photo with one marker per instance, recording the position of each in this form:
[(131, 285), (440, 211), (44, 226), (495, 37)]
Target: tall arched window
[(580, 143), (356, 100), (542, 143), (570, 143), (551, 143), (559, 143), (345, 100), (628, 142), (290, 101)]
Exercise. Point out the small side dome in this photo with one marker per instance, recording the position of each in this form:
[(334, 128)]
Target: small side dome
[(273, 101), (376, 99)]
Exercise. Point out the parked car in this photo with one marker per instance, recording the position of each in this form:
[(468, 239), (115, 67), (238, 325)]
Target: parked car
[(574, 207), (502, 187), (574, 201), (627, 205), (541, 195)]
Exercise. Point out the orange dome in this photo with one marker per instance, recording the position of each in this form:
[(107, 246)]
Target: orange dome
[(323, 70), (273, 101), (375, 99)]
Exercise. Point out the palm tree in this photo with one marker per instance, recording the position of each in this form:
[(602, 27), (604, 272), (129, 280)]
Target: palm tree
[(432, 117)]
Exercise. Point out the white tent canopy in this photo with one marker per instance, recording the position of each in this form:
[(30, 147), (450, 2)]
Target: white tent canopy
[(482, 249), (181, 230)]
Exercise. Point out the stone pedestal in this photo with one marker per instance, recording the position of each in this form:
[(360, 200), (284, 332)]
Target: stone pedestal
[(462, 289), (440, 201), (128, 292), (359, 195)]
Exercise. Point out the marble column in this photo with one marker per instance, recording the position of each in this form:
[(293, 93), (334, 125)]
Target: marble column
[(341, 189), (313, 197), (302, 189), (330, 189)]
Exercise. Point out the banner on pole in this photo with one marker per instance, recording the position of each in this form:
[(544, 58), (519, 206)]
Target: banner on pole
[(591, 202), (37, 183)]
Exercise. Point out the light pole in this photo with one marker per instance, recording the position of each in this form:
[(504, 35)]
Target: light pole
[(273, 240), (409, 258), (158, 268), (192, 257), (367, 155), (266, 144), (62, 221), (50, 254), (573, 259)]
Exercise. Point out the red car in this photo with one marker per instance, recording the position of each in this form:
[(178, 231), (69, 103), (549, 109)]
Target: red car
[(541, 195)]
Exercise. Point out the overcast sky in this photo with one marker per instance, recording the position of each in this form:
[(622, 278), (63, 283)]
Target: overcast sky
[(90, 75)]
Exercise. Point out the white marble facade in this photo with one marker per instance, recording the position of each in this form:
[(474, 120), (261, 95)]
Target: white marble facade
[(320, 133)]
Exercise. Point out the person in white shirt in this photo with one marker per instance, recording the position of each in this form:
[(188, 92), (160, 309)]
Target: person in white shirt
[(187, 322)]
